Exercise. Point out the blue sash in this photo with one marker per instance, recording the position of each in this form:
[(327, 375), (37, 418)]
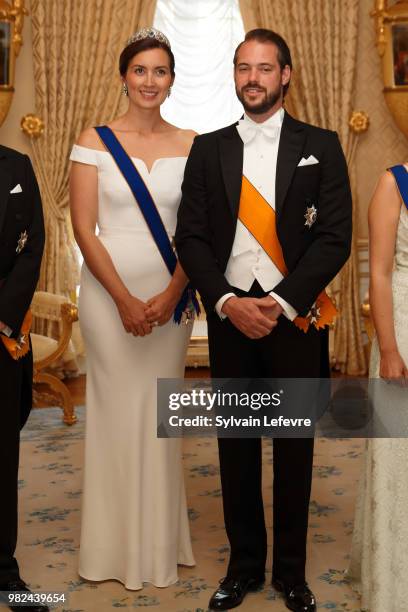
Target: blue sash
[(401, 177), (188, 301)]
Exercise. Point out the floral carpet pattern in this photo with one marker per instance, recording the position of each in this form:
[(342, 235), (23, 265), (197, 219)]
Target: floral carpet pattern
[(50, 498)]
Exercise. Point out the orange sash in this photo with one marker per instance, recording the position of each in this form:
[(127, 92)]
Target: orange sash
[(20, 347), (260, 220)]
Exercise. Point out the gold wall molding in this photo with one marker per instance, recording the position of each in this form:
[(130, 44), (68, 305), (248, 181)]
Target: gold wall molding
[(359, 122), (378, 14), (32, 126)]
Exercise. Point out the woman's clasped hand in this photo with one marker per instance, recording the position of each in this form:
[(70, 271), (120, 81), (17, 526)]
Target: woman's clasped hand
[(139, 318), (161, 307)]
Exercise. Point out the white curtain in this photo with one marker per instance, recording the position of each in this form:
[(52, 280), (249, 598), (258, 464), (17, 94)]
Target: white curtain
[(203, 35)]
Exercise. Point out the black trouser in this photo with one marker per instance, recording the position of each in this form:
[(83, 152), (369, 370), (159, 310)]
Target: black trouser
[(15, 401), (286, 352)]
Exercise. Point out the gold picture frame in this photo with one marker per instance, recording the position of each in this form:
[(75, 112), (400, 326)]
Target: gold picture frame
[(11, 25), (391, 24)]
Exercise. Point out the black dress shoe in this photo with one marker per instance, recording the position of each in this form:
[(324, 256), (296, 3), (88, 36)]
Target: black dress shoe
[(232, 591), (20, 587), (298, 598)]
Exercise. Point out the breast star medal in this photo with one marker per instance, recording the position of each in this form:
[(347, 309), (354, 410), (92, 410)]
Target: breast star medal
[(310, 215), (22, 241)]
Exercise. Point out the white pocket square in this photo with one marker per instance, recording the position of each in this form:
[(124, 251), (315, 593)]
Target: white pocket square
[(308, 161), (16, 189)]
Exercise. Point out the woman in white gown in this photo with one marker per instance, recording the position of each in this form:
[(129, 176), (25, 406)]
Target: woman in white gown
[(379, 560), (134, 516)]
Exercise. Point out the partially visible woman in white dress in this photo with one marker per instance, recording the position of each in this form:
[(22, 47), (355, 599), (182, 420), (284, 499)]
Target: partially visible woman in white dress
[(379, 559), (134, 516)]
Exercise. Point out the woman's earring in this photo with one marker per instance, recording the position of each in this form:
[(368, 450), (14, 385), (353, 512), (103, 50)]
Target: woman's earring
[(169, 92), (125, 89)]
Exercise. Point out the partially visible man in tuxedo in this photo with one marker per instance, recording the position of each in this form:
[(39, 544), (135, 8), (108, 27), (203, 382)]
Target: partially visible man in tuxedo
[(21, 248), (264, 225)]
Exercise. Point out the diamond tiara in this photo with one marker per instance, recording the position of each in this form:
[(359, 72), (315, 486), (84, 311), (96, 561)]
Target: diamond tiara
[(149, 33)]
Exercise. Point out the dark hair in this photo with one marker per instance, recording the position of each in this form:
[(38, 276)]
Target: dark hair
[(263, 35), (143, 45)]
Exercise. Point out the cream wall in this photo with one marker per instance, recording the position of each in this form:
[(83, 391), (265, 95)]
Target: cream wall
[(23, 99)]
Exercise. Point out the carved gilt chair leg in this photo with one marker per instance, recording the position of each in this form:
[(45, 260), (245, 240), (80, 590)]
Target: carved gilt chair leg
[(58, 387)]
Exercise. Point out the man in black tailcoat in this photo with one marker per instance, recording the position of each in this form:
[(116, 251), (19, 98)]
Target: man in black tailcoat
[(21, 248), (259, 283)]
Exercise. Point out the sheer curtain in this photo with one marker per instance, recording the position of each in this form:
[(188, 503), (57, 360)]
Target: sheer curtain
[(203, 36)]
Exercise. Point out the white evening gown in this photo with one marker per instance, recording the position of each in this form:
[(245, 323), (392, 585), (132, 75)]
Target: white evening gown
[(379, 559), (134, 515)]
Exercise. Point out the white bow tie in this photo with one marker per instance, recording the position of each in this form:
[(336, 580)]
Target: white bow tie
[(248, 130)]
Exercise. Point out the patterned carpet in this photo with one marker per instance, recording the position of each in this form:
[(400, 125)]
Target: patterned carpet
[(50, 495)]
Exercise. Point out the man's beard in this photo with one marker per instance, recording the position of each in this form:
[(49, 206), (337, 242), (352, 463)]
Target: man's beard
[(262, 107)]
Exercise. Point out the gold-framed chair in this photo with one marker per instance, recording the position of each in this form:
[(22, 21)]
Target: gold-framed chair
[(197, 352), (47, 351), (367, 319)]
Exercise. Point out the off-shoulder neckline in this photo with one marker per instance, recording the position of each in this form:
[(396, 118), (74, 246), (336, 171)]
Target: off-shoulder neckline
[(149, 171)]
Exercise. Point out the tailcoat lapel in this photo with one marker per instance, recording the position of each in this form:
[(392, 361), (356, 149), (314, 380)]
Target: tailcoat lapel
[(291, 144), (232, 159), (5, 186)]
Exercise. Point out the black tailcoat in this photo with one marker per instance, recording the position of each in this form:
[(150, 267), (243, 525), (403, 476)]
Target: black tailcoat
[(205, 233), (208, 212), (19, 212)]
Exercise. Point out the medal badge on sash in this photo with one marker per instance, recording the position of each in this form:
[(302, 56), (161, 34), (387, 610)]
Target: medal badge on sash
[(18, 347)]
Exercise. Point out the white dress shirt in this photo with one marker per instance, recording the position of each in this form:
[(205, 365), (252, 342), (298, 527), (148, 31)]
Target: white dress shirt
[(7, 331), (248, 261)]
